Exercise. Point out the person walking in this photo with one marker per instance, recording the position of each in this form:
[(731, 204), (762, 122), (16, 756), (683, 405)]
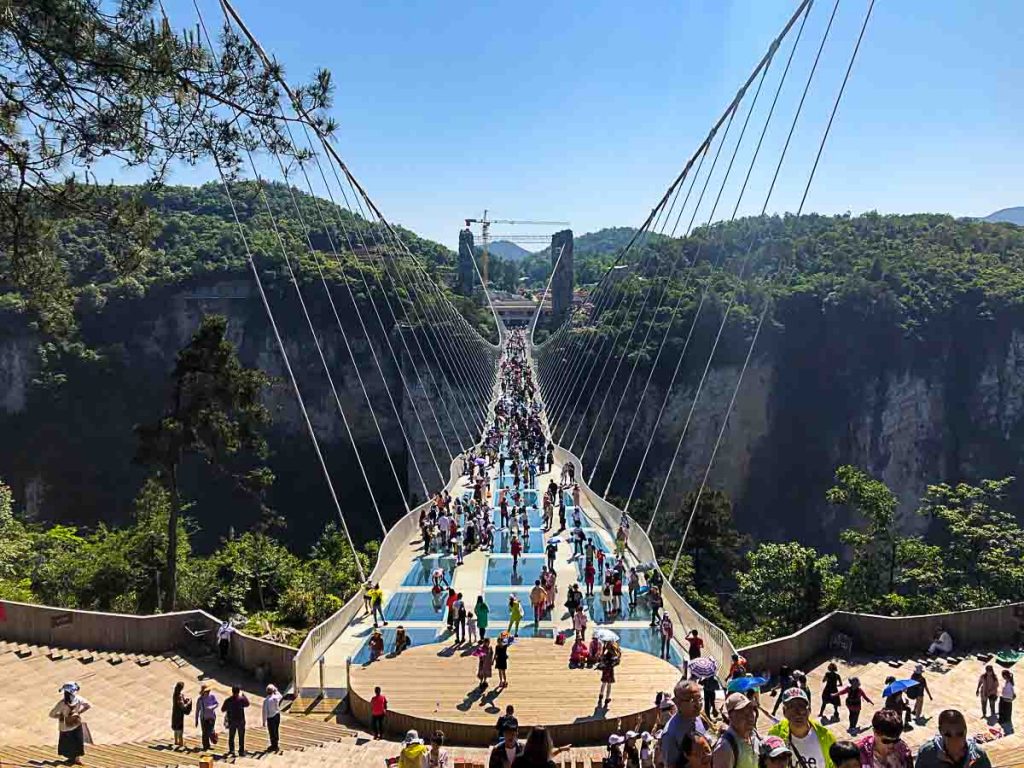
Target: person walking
[(515, 549), (610, 658), (829, 692), (71, 730), (1007, 693), (917, 693), (224, 634), (485, 662), (378, 711), (460, 619), (538, 601), (482, 613), (667, 631), (234, 710), (515, 614), (897, 703), (695, 644), (377, 605), (988, 691), (181, 706), (501, 660), (206, 715), (855, 698), (589, 573), (633, 586), (271, 715), (579, 623)]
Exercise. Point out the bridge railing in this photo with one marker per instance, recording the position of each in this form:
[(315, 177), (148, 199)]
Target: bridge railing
[(716, 643)]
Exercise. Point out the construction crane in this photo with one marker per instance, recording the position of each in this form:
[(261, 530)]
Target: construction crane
[(485, 235)]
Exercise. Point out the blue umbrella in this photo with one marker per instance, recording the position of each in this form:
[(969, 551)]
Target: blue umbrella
[(899, 685), (744, 684)]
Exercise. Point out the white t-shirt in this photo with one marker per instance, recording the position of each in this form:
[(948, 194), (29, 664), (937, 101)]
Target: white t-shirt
[(808, 748)]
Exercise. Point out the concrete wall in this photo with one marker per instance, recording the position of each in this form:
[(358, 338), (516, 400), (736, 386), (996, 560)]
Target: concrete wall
[(982, 628), (64, 628)]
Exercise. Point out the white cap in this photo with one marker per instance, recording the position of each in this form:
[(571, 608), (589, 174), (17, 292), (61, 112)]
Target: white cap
[(614, 740)]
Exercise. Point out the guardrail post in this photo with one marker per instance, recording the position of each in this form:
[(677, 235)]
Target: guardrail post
[(322, 664)]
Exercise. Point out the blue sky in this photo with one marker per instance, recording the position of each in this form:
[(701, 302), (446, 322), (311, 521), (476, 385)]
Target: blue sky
[(585, 111)]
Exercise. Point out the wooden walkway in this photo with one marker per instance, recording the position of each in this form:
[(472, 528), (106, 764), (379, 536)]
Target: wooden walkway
[(435, 686)]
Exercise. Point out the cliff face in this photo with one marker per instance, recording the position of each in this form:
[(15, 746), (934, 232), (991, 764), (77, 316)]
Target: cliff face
[(912, 417), (68, 449)]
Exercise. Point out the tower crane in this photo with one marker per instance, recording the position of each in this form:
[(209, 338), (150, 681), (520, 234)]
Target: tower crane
[(485, 234)]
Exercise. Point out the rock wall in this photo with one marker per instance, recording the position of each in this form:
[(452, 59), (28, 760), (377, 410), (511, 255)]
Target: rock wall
[(912, 417), (68, 449)]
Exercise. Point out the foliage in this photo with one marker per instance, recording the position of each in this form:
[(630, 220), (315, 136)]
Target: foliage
[(784, 587), (875, 549), (981, 547), (216, 414), (87, 84), (255, 577)]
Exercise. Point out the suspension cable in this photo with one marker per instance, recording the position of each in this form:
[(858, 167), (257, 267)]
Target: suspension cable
[(767, 302)]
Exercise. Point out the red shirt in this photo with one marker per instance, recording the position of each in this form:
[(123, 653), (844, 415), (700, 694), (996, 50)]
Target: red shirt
[(378, 705), (696, 644), (588, 574)]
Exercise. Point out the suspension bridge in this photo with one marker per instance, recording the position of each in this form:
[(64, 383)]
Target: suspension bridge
[(610, 372)]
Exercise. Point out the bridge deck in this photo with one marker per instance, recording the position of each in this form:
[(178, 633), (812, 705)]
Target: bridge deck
[(435, 686)]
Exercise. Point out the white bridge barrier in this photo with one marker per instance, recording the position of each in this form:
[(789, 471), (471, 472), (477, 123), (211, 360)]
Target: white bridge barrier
[(716, 642)]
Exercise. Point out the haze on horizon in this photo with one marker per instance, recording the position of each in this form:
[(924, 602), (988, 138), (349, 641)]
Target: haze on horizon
[(586, 112)]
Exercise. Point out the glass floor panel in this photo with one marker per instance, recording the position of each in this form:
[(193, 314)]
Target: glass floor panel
[(535, 516), (415, 606), (423, 567), (648, 641), (534, 543), (642, 611), (418, 636), (499, 571)]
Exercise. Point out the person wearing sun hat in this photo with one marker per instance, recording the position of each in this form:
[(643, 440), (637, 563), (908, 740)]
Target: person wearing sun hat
[(775, 753), (414, 751), (738, 747), (808, 738), (72, 731), (615, 758)]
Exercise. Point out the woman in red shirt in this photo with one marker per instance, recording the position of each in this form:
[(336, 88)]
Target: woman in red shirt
[(696, 644), (378, 709)]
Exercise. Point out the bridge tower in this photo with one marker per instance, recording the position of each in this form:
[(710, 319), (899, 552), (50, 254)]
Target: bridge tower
[(466, 278), (562, 281)]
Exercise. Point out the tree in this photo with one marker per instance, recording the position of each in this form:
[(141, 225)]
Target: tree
[(983, 547), (784, 587), (713, 544), (875, 548), (84, 83), (216, 415)]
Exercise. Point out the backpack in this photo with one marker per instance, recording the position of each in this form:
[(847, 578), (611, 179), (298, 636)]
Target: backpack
[(729, 738)]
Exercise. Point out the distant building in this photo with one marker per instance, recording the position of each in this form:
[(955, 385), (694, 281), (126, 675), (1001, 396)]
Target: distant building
[(517, 311)]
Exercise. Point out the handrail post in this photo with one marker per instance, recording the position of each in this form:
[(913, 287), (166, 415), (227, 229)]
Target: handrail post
[(322, 665)]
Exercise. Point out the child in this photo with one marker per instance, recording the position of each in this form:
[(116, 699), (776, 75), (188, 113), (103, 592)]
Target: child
[(844, 754), (471, 630), (579, 655)]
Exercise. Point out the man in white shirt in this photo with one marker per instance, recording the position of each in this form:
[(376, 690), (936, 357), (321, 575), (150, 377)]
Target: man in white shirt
[(808, 739), (272, 716), (224, 633)]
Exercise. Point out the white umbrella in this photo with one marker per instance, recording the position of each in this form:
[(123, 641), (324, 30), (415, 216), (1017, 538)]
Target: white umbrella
[(606, 636)]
